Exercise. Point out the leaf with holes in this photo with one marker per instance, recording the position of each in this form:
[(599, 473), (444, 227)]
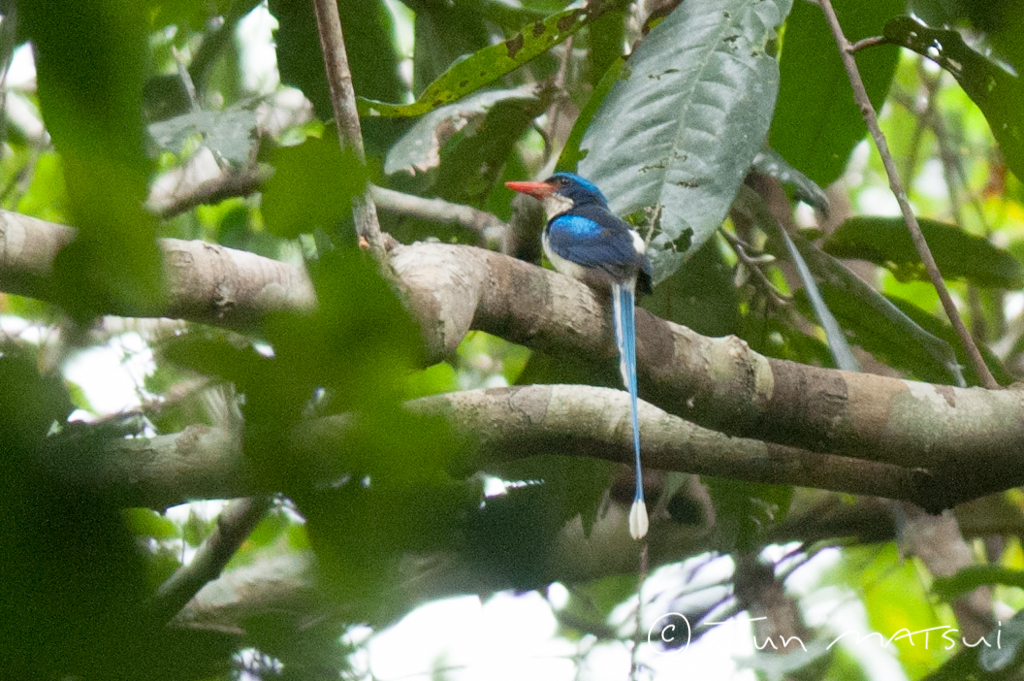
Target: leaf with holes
[(490, 63), (681, 126), (885, 241)]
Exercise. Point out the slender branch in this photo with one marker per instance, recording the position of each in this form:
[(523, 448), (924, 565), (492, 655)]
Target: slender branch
[(225, 186), (346, 116), (865, 43), (486, 224), (235, 523), (861, 96)]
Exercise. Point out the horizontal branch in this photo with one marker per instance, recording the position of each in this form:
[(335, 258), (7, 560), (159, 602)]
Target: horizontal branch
[(503, 424), (205, 282), (439, 210), (969, 440)]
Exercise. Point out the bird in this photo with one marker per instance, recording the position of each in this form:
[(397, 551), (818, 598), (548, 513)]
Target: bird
[(585, 240)]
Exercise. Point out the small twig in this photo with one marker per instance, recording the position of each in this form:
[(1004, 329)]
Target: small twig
[(346, 117), (868, 42), (488, 226), (234, 524), (868, 112), (753, 264)]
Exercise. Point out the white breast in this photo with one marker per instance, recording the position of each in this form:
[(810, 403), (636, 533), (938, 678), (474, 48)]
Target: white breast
[(566, 267)]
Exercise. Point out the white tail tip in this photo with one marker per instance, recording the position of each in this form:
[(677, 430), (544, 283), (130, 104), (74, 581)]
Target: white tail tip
[(638, 519)]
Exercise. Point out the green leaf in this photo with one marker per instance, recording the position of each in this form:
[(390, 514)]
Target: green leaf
[(443, 35), (419, 149), (998, 94), (970, 578), (312, 186), (686, 117), (272, 526), (940, 327), (607, 42), (368, 43), (886, 241), (472, 162), (817, 123), (228, 133), (489, 64), (149, 523), (571, 153)]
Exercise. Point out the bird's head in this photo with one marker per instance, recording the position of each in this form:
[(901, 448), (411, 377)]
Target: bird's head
[(561, 192)]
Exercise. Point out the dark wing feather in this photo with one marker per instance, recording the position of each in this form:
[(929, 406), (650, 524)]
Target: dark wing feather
[(594, 238)]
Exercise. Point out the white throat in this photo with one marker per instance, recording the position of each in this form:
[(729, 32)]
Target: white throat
[(556, 204)]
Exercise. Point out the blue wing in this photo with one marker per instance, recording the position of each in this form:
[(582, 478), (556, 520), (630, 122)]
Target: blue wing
[(605, 243), (625, 337)]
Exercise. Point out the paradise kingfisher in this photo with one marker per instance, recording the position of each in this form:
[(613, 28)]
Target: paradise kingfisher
[(585, 240)]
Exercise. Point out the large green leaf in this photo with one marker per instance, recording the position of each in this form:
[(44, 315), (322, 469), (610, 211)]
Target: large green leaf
[(688, 114), (970, 578), (998, 93), (1001, 22), (885, 241), (817, 123), (443, 34), (491, 63)]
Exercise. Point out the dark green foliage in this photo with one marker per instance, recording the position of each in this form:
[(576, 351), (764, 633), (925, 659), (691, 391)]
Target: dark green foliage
[(959, 255), (371, 54), (745, 511), (817, 123), (312, 188), (683, 107)]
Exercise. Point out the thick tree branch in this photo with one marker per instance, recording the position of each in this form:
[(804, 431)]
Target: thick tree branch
[(286, 584), (504, 425), (205, 282), (970, 439)]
